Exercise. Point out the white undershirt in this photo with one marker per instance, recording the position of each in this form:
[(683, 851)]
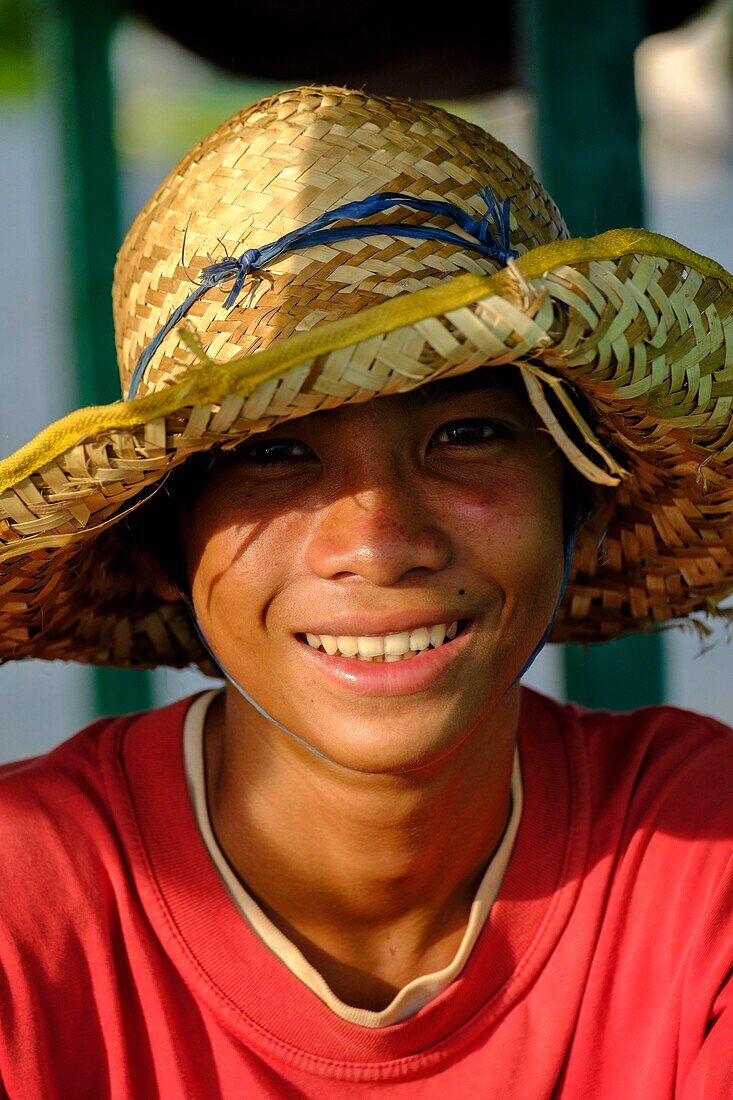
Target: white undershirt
[(417, 992)]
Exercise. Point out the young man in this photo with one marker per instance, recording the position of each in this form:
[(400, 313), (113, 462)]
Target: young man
[(374, 864)]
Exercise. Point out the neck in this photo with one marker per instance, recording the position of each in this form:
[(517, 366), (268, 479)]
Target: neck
[(371, 876)]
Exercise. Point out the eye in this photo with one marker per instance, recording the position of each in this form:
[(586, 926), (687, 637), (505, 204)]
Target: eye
[(274, 452), (468, 432)]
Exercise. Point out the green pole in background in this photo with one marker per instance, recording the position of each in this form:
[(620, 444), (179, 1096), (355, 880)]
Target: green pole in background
[(579, 62), (81, 35)]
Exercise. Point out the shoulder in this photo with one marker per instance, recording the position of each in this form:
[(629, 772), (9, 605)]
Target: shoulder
[(69, 896), (37, 795), (55, 825), (71, 776), (656, 737), (668, 767), (653, 790), (664, 751), (59, 828), (55, 831)]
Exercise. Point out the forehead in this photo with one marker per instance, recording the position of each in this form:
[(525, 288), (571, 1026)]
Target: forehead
[(502, 387)]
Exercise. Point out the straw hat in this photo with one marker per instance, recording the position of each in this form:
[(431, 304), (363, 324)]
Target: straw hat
[(641, 327)]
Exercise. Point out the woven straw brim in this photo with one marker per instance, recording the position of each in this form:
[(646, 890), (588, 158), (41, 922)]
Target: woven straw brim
[(641, 326)]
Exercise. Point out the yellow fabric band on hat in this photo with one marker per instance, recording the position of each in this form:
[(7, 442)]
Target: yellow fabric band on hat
[(243, 375)]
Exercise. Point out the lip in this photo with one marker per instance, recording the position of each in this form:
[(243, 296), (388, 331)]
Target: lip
[(370, 625), (408, 677)]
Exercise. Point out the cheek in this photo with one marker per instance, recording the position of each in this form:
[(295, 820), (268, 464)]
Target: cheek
[(509, 538), (508, 518), (239, 566)]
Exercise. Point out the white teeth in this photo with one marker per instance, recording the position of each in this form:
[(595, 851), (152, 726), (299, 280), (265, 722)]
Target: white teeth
[(419, 639), (371, 647), (384, 647), (397, 644)]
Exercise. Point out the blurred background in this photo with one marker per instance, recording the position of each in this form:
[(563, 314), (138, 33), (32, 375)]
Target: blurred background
[(625, 111)]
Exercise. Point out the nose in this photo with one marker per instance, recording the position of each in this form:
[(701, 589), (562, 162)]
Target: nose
[(381, 533)]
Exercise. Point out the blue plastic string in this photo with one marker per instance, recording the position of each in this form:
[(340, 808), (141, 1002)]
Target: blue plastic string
[(253, 702), (569, 547), (491, 238)]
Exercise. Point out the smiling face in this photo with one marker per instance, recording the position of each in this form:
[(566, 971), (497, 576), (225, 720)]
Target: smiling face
[(373, 528)]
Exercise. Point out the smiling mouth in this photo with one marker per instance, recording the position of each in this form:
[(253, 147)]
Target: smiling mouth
[(386, 648)]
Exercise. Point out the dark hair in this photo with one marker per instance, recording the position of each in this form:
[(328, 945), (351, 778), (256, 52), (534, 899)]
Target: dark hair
[(154, 527)]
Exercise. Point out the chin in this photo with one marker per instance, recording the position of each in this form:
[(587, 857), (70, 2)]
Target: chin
[(403, 748)]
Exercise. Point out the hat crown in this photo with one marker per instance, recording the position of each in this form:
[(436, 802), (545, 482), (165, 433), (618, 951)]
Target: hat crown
[(275, 167)]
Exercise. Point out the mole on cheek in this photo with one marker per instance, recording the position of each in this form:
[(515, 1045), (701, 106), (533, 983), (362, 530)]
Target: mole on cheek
[(461, 591)]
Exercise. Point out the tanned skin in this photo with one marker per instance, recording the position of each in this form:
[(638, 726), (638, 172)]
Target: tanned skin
[(403, 510)]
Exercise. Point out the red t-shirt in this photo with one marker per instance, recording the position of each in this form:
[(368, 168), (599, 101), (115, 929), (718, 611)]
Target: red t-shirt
[(603, 971)]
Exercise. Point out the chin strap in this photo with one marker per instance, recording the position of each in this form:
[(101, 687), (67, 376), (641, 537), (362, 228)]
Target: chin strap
[(253, 702), (569, 543), (569, 547)]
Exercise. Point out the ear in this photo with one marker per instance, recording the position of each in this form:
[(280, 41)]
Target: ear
[(154, 575), (591, 532)]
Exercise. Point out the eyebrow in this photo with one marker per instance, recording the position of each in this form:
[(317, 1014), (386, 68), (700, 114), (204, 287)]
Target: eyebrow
[(443, 390)]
